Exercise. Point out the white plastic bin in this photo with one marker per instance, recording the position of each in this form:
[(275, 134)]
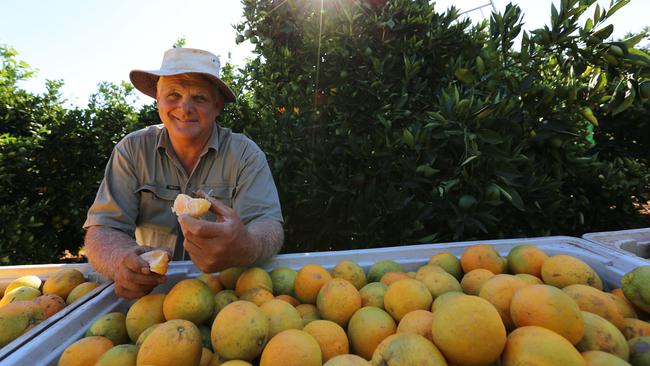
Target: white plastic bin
[(49, 345), (635, 241)]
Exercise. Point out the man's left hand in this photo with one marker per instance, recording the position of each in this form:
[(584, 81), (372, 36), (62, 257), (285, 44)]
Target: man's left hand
[(220, 244)]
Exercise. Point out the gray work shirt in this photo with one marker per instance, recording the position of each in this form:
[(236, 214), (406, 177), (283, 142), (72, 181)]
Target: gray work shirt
[(143, 177)]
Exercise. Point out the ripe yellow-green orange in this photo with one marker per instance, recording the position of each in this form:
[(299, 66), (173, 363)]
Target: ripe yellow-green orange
[(240, 331), (408, 349), (111, 326), (548, 307), (281, 316), (292, 347), (85, 351), (330, 336), (533, 345), (338, 300), (351, 271), (145, 312), (254, 277), (189, 299), (174, 342), (367, 328), (468, 330), (309, 280), (62, 282), (18, 317), (406, 295), (635, 287), (526, 259), (28, 280), (80, 291), (212, 280), (449, 262), (120, 355), (482, 256), (563, 270)]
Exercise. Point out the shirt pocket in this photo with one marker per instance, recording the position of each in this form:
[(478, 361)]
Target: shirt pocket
[(222, 193), (156, 208)]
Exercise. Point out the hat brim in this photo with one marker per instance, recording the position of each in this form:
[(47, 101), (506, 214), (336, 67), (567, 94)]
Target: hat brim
[(146, 80)]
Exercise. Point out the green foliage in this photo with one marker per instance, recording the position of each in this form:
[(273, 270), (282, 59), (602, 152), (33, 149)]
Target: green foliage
[(387, 122), (51, 162)]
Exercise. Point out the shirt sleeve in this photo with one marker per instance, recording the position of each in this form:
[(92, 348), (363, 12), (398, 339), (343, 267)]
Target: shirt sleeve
[(256, 196), (116, 203)]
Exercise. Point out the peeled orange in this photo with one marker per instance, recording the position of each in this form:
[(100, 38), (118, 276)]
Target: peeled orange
[(158, 260), (195, 207)]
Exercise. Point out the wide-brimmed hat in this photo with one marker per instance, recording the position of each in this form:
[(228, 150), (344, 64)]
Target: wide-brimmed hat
[(182, 61)]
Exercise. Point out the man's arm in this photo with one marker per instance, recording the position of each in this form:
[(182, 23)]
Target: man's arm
[(105, 248), (116, 255), (268, 237)]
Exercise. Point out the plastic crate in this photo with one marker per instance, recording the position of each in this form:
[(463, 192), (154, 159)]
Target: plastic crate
[(636, 241), (43, 271), (48, 346)]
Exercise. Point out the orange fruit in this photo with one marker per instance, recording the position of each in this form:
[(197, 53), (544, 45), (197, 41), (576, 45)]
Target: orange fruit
[(418, 322), (367, 328), (212, 280), (85, 351), (309, 280), (80, 291), (145, 312), (63, 281), (175, 342), (482, 256), (533, 345), (548, 307), (251, 278), (406, 295), (337, 300), (526, 259), (330, 337), (189, 299), (351, 271), (468, 330), (281, 316), (292, 347), (473, 280), (240, 331)]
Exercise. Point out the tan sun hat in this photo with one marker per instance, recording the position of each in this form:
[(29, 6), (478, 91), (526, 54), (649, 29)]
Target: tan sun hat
[(182, 61)]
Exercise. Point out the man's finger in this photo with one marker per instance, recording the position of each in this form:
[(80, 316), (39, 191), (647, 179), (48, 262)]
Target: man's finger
[(216, 206), (198, 227), (136, 264)]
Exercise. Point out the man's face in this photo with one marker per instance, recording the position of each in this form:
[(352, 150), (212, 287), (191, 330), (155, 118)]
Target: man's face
[(188, 106)]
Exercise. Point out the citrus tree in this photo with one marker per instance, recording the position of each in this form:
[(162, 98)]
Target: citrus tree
[(392, 122)]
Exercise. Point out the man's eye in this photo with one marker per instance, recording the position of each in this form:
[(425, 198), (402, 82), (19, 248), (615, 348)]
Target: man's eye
[(200, 98), (173, 95)]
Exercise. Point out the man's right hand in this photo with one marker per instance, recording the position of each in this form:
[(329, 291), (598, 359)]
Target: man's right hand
[(133, 279)]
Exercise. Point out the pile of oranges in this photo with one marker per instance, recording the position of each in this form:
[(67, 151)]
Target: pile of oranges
[(482, 308)]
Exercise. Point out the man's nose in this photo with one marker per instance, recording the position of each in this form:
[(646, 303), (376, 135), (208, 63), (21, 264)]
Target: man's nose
[(186, 104)]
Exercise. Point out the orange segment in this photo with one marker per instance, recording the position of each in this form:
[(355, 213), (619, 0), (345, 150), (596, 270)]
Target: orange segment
[(158, 260), (195, 207)]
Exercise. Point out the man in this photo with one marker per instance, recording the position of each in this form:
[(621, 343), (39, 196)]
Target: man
[(189, 153)]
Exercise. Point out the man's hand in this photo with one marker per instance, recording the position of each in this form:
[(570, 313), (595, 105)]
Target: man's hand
[(221, 244), (132, 277)]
